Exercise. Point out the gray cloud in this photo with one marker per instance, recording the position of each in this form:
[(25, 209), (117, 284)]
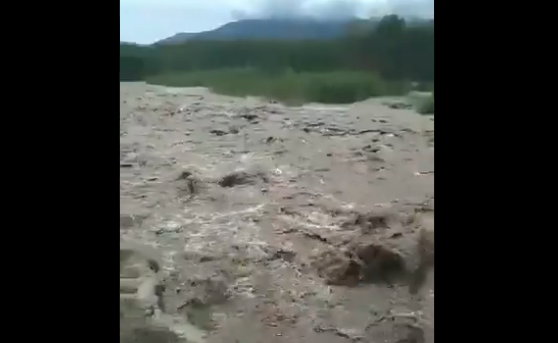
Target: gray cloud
[(334, 9), (420, 8)]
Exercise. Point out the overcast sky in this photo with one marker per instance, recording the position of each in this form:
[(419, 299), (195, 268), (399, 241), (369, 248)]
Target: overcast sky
[(146, 21)]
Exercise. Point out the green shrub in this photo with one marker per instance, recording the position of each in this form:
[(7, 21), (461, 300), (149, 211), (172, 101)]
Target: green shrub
[(427, 107), (287, 86)]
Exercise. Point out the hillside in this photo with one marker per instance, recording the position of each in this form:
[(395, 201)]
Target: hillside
[(177, 38), (394, 48), (281, 29)]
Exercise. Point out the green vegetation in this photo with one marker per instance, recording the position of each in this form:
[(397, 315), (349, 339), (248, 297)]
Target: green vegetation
[(427, 106), (289, 87), (365, 63)]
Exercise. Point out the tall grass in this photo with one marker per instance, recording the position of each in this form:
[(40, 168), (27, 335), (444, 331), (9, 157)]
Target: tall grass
[(286, 86)]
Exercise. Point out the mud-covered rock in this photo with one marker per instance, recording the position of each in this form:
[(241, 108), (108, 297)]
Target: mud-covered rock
[(395, 329), (140, 282), (336, 268), (188, 184), (249, 116), (210, 291), (370, 221), (126, 221), (198, 313), (189, 187), (196, 282), (222, 132), (129, 221), (147, 334), (242, 178), (194, 297), (380, 263), (399, 105), (136, 327), (361, 263), (425, 252), (136, 260)]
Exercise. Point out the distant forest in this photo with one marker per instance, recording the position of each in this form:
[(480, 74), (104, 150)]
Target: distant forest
[(393, 48)]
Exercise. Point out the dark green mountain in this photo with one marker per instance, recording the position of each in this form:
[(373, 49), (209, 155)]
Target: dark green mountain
[(269, 29)]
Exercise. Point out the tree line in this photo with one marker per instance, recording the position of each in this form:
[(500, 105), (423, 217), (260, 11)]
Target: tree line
[(394, 48)]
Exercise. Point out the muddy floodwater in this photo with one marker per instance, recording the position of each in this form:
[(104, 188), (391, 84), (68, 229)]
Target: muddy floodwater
[(246, 221)]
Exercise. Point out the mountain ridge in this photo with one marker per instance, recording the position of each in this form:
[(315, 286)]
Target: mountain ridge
[(272, 29)]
